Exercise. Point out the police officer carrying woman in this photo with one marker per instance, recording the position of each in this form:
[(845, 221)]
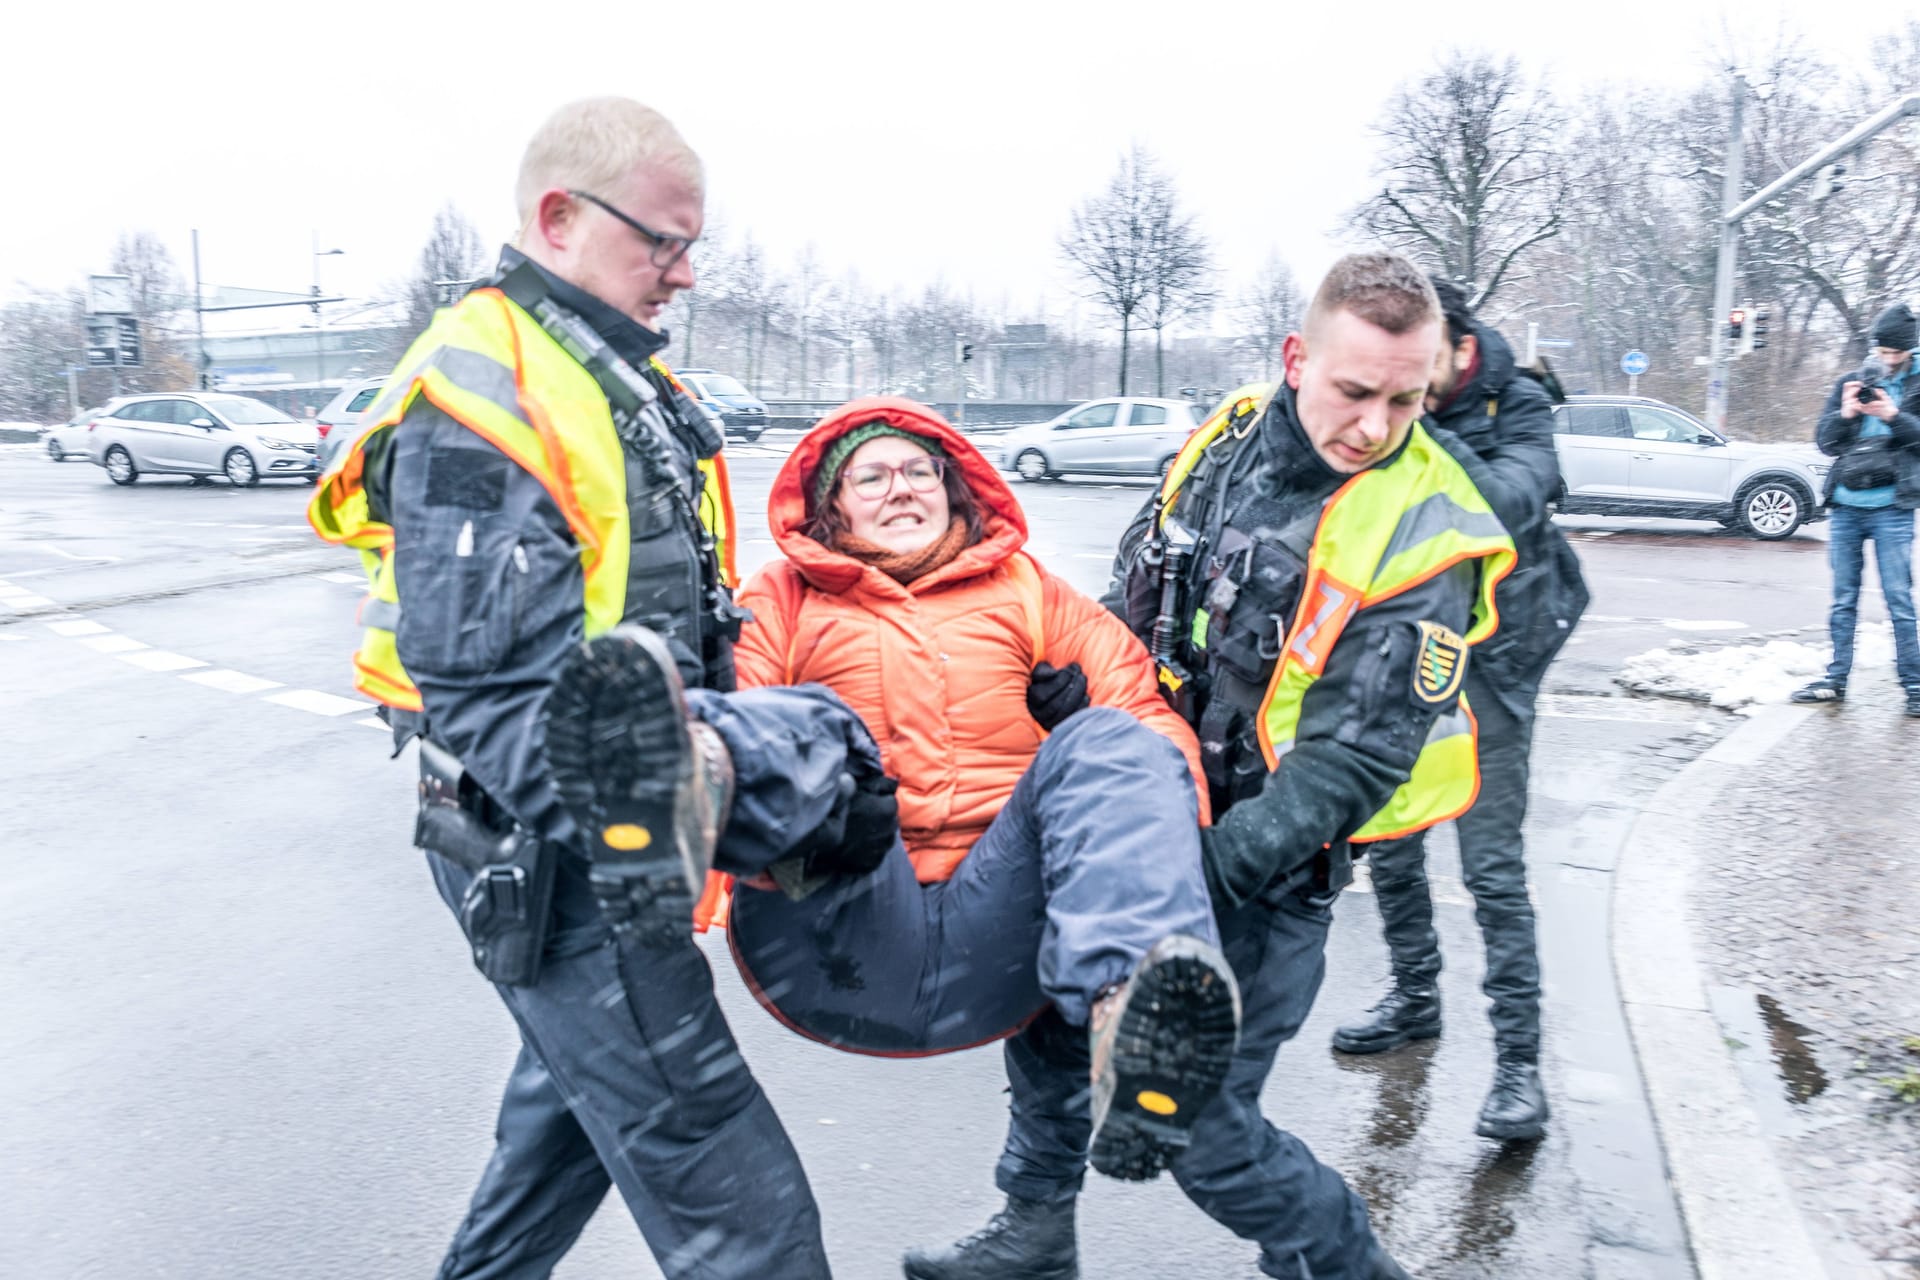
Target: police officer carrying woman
[(531, 478), (1309, 580)]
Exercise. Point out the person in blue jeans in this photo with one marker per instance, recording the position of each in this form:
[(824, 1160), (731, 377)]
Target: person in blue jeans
[(1871, 426)]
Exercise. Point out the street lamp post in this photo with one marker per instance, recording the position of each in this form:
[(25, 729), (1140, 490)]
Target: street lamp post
[(319, 334)]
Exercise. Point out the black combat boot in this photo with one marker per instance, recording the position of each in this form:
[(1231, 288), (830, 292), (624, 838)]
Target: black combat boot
[(649, 787), (1516, 1106), (1161, 1046), (1027, 1240), (1406, 1013)]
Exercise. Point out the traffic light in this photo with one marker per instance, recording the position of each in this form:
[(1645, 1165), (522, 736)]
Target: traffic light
[(1829, 181), (966, 352), (1737, 327), (1758, 337)]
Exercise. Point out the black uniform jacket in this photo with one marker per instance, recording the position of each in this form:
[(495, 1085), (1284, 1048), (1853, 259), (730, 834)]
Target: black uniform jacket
[(491, 587), (1362, 725), (1499, 427)]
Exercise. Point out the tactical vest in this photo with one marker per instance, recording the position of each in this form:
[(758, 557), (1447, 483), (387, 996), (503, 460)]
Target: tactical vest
[(652, 548), (1383, 532)]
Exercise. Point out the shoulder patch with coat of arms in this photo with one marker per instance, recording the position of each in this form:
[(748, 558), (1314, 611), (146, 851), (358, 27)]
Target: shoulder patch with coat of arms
[(1440, 665)]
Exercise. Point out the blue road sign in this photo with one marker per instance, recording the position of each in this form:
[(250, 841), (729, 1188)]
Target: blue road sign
[(1635, 363)]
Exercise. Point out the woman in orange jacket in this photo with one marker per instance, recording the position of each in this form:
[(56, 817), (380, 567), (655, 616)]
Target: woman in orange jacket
[(1032, 869)]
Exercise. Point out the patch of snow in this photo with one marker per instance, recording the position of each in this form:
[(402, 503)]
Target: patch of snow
[(1744, 677)]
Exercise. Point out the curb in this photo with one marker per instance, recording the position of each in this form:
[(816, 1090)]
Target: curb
[(1740, 1215)]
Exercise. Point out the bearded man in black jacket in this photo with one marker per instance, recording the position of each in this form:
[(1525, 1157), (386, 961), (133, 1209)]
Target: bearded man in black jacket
[(1497, 421)]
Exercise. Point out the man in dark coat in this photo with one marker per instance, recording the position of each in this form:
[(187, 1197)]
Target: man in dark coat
[(1497, 421)]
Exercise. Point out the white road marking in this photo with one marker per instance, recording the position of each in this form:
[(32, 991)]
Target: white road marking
[(320, 704), (161, 660), (1684, 624), (373, 722), (12, 638), (350, 579), (113, 644), (80, 628), (26, 602), (83, 559), (232, 681)]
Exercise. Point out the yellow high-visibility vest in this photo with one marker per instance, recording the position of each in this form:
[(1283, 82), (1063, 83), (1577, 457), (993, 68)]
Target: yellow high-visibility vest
[(491, 367), (1384, 531)]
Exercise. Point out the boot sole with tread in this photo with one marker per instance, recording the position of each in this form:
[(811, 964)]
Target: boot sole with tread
[(1170, 1055), (621, 757)]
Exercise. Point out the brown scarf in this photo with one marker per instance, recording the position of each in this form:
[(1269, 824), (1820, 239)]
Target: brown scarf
[(908, 565)]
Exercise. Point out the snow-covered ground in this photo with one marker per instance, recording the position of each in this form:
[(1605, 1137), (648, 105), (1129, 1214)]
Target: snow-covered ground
[(1740, 677)]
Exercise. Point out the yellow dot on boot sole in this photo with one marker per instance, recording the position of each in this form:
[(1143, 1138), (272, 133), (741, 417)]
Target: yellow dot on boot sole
[(626, 837), (1158, 1103)]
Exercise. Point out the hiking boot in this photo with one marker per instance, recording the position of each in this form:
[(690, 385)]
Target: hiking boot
[(649, 788), (1821, 691), (1162, 1043), (1516, 1106), (1406, 1013), (1913, 702), (1027, 1240)]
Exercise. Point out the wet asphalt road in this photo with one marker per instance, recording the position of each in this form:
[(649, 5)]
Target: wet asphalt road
[(243, 1038)]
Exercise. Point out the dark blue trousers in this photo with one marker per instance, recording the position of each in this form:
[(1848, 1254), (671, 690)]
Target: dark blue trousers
[(1493, 864), (1258, 1181), (628, 1075), (1094, 858)]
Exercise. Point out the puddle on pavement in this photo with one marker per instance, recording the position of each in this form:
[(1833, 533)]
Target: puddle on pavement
[(1775, 1055), (1792, 1056)]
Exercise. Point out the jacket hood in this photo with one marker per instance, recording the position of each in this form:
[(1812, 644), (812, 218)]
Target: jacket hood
[(831, 571)]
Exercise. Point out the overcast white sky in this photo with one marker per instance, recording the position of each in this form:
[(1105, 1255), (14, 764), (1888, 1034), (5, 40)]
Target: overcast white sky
[(909, 141)]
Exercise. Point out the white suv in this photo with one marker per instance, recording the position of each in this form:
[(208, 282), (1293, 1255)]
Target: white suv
[(1630, 456)]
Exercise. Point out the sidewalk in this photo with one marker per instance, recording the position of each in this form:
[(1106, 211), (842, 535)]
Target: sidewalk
[(1767, 940)]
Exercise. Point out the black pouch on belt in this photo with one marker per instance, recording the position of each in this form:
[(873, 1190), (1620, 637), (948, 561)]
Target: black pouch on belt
[(507, 908)]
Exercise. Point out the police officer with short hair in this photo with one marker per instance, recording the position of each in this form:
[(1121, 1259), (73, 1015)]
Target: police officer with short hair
[(1497, 421), (1309, 579), (546, 518)]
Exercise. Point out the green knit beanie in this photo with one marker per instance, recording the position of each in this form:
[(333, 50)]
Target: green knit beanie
[(835, 458)]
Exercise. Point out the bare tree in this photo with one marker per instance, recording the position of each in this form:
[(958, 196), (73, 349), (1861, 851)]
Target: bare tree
[(453, 252), (1109, 241), (41, 336), (1473, 174), (1270, 309), (1179, 267)]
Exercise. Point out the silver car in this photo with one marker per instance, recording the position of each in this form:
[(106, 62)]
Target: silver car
[(338, 421), (1123, 436), (69, 439), (1631, 456), (202, 434)]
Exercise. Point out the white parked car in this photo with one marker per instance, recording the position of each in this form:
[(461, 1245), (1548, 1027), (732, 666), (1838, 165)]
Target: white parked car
[(1631, 456), (1128, 435), (202, 434), (336, 423), (68, 441)]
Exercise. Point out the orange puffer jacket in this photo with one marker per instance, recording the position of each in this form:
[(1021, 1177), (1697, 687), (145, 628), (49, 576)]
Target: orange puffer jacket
[(938, 667)]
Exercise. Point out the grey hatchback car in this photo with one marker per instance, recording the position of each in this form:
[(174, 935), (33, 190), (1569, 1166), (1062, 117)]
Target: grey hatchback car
[(202, 434)]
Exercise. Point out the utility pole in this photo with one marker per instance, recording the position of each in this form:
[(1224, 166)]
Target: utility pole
[(319, 334), (1729, 246), (199, 321)]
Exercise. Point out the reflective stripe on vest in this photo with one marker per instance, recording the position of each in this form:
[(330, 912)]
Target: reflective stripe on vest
[(1385, 531), (488, 365)]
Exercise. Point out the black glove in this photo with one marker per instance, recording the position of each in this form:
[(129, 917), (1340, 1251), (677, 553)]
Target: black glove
[(858, 833), (1056, 693)]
